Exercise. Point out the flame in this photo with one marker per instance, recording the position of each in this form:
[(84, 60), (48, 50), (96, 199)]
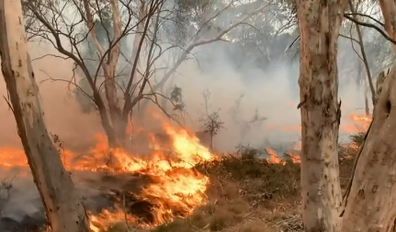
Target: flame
[(296, 158), (359, 123), (274, 158), (361, 118), (175, 184)]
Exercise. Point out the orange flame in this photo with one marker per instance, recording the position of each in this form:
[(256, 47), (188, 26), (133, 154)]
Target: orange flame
[(175, 183), (171, 166), (274, 158)]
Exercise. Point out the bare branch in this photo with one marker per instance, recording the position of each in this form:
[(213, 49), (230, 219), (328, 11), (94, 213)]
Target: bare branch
[(383, 33), (198, 42), (363, 52)]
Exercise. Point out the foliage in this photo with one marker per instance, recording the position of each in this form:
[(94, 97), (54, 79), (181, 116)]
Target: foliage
[(358, 138), (176, 97), (211, 121), (263, 40)]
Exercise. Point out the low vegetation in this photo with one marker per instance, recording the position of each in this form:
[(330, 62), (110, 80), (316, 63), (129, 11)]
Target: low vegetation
[(249, 194)]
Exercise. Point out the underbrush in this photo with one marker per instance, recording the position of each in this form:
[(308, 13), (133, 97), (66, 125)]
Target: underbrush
[(226, 211), (226, 208), (258, 180), (243, 192), (249, 194)]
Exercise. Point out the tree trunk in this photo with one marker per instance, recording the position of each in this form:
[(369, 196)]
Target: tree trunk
[(109, 130), (371, 195), (120, 129), (366, 103), (319, 24), (361, 76), (363, 52), (114, 111), (138, 40), (62, 203), (115, 129)]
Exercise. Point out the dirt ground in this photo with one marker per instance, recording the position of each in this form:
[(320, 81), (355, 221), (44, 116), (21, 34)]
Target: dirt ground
[(246, 194), (249, 195)]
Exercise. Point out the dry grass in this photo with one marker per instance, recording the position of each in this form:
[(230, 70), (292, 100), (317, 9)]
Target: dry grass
[(251, 195), (259, 181), (226, 208)]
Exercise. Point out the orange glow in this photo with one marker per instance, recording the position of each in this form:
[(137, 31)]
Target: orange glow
[(274, 158), (176, 182), (170, 164), (354, 124)]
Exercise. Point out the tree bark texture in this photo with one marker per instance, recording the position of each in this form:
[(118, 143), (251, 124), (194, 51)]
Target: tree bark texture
[(380, 81), (319, 24), (62, 203), (371, 196), (115, 125)]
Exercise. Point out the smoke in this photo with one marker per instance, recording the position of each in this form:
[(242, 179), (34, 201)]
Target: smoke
[(273, 94), (239, 95), (63, 114)]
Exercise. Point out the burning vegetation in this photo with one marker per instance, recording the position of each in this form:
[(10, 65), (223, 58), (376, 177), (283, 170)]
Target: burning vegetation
[(179, 178), (135, 179)]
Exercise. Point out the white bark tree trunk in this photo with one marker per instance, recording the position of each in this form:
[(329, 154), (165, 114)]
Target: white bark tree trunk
[(371, 196), (110, 56), (62, 203), (319, 24)]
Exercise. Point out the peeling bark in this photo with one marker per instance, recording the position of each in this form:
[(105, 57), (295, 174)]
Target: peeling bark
[(371, 195), (380, 81), (319, 24), (62, 203)]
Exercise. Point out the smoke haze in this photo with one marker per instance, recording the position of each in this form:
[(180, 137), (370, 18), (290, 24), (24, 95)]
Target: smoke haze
[(273, 94)]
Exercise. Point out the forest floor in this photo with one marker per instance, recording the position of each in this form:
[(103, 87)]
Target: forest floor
[(248, 194)]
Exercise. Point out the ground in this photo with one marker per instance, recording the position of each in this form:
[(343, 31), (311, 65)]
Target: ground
[(248, 194)]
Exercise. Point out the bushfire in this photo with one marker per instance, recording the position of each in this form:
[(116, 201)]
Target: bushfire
[(174, 189)]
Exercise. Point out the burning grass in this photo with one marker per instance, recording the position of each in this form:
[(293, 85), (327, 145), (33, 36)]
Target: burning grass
[(184, 187), (226, 210), (244, 193), (238, 184), (252, 195)]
